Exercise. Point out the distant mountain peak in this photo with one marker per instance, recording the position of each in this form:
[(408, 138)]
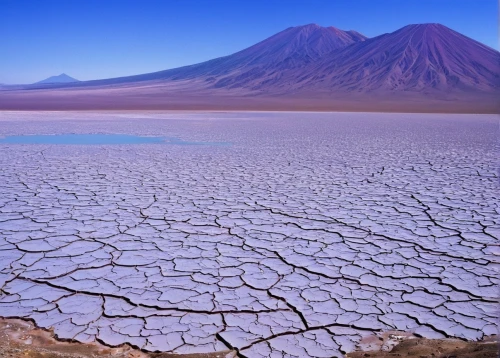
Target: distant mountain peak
[(308, 26), (311, 39), (62, 78), (417, 57), (433, 27), (427, 25)]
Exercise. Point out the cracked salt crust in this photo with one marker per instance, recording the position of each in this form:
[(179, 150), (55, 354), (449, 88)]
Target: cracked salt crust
[(308, 234)]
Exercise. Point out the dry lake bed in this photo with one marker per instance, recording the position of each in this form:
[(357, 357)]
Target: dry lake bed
[(273, 234)]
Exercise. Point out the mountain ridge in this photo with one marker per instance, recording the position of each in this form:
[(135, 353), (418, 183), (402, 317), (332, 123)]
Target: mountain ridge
[(416, 57), (305, 67)]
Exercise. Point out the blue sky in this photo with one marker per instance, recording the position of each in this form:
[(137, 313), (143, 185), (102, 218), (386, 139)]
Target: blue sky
[(91, 39)]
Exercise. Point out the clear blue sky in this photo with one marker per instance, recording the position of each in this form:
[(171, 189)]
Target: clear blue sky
[(90, 39)]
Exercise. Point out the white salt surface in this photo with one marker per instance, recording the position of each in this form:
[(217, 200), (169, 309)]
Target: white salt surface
[(307, 233)]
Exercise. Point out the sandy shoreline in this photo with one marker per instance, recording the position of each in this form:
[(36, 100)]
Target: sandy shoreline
[(20, 338)]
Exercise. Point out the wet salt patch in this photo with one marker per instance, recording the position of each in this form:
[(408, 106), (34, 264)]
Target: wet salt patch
[(299, 230), (97, 139)]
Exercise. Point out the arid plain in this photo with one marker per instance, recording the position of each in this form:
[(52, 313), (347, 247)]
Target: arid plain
[(270, 234)]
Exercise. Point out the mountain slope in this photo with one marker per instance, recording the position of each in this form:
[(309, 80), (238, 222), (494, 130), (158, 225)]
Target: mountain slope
[(266, 62), (422, 57), (295, 47), (62, 78)]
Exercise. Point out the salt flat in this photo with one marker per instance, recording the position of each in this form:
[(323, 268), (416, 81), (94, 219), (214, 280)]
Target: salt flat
[(309, 232)]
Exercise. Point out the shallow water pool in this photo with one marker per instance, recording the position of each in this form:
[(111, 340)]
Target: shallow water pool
[(95, 139)]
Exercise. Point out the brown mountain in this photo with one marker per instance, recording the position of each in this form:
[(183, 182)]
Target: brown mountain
[(426, 67), (415, 58)]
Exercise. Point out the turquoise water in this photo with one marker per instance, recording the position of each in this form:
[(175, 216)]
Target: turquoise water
[(93, 139)]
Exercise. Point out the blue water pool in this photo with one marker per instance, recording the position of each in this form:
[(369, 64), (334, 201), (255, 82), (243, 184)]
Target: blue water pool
[(96, 139)]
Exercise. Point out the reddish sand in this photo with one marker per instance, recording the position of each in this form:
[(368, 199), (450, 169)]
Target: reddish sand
[(21, 339), (176, 97)]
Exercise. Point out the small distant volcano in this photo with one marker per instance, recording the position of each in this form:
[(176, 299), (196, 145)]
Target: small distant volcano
[(62, 78)]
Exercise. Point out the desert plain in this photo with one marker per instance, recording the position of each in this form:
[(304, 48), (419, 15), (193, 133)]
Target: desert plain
[(269, 234)]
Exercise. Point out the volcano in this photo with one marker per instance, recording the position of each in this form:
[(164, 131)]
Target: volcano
[(293, 48), (62, 78), (426, 57)]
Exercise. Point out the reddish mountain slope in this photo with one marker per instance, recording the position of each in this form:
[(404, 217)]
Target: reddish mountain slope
[(423, 57), (295, 47)]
